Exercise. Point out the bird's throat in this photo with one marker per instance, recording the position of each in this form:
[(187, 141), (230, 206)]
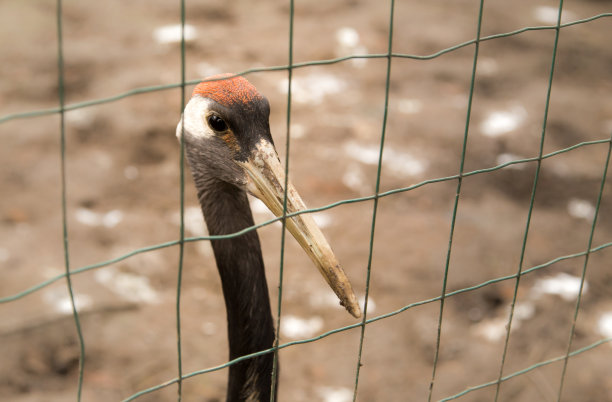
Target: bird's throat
[(240, 264)]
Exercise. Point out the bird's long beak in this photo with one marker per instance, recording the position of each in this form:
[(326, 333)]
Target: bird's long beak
[(266, 180)]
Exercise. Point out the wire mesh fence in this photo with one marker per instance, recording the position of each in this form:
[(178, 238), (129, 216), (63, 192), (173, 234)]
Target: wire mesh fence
[(463, 170)]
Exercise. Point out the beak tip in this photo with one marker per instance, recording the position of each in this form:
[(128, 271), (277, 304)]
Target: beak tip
[(352, 307)]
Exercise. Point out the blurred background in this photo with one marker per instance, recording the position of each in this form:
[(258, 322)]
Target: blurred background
[(123, 187)]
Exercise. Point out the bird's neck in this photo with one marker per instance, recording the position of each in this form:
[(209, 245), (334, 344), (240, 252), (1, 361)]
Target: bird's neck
[(249, 319)]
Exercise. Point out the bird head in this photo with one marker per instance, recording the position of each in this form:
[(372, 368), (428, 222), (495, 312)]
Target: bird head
[(226, 133), (222, 124)]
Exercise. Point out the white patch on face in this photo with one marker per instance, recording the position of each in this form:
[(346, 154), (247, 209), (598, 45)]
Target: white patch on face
[(194, 119)]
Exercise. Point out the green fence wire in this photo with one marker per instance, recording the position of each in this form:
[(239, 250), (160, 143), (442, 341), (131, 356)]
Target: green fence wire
[(457, 196), (284, 215), (60, 86), (376, 198), (531, 204), (389, 56), (179, 279)]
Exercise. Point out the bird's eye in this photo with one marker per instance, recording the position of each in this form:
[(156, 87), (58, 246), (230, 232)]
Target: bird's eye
[(217, 123)]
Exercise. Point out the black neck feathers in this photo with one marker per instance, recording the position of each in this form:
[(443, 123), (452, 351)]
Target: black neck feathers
[(239, 261)]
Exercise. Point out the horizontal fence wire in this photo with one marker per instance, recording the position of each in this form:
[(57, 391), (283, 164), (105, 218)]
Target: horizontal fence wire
[(155, 88), (388, 193), (326, 334), (389, 56)]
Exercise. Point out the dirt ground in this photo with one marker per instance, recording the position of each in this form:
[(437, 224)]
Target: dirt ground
[(123, 193)]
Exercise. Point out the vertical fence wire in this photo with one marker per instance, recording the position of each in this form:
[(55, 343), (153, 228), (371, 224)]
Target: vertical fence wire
[(584, 269), (179, 279), (284, 215), (376, 197), (531, 202), (457, 196), (62, 115)]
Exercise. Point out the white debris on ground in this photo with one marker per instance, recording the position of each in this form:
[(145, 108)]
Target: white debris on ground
[(312, 88), (409, 106), (59, 300), (209, 328), (298, 328), (52, 271), (258, 207), (297, 130), (132, 287), (261, 212), (349, 45), (581, 209), (172, 33), (335, 394), (502, 122), (322, 219), (193, 221), (604, 324), (371, 304), (403, 163), (204, 69), (194, 227), (355, 179), (131, 172), (80, 118), (400, 163), (101, 160), (361, 153), (487, 66), (524, 311), (324, 298), (492, 329), (508, 157), (563, 285), (347, 37), (91, 218), (495, 329), (4, 255), (550, 15)]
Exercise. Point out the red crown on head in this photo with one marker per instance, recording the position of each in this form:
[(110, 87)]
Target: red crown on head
[(227, 91)]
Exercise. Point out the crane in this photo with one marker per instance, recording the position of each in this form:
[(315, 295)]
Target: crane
[(229, 148)]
